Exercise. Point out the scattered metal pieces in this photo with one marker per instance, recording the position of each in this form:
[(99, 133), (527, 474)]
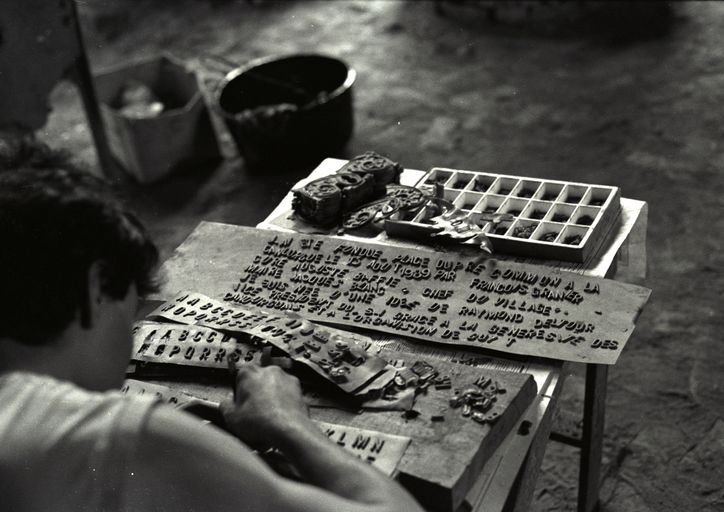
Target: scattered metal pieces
[(477, 401)]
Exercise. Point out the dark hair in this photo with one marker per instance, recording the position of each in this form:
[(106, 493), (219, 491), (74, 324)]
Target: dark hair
[(55, 221)]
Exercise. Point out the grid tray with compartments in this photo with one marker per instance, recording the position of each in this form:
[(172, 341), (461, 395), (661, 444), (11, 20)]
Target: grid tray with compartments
[(551, 219)]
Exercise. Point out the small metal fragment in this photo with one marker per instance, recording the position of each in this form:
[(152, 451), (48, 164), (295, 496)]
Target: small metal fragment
[(400, 380), (477, 403), (472, 393), (320, 336), (479, 417), (456, 401), (293, 323), (324, 364), (442, 382), (486, 404), (467, 410), (410, 414), (355, 359), (423, 370), (483, 382), (410, 379), (339, 374), (311, 345)]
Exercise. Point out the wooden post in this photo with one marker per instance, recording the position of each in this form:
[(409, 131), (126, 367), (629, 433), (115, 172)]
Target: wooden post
[(521, 494), (83, 78), (594, 416)]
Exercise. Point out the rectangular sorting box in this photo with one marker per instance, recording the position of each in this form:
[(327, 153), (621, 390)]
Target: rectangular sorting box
[(552, 219), (151, 147)]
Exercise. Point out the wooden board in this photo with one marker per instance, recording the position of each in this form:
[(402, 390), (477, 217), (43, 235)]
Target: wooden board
[(451, 297), (452, 480), (445, 457)]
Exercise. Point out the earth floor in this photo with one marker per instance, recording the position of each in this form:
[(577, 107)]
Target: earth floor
[(613, 93)]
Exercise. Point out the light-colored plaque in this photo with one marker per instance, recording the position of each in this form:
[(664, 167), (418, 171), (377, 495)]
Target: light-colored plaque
[(450, 297)]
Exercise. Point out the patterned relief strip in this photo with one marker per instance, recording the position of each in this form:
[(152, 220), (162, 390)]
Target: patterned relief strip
[(343, 358)]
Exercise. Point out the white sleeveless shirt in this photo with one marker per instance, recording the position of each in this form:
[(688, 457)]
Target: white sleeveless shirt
[(63, 448)]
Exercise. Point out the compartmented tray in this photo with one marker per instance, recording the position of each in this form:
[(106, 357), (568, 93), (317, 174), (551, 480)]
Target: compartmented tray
[(551, 219)]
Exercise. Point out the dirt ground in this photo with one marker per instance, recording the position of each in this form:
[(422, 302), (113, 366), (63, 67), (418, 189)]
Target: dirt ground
[(612, 93)]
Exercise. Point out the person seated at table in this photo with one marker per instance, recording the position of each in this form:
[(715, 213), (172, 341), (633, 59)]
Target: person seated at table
[(73, 266)]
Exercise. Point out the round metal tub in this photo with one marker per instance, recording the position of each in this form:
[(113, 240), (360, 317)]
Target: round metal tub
[(292, 109)]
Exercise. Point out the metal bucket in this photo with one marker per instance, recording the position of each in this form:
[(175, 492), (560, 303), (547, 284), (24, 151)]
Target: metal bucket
[(286, 110)]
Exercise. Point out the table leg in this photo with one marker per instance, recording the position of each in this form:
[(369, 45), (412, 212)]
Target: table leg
[(521, 495), (594, 415), (81, 75)]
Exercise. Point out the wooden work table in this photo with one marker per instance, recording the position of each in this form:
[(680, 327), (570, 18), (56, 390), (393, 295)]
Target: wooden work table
[(508, 477)]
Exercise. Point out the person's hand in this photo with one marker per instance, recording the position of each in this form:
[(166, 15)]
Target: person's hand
[(267, 406)]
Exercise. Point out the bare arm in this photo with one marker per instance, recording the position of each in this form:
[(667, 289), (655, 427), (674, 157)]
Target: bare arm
[(269, 409), (182, 464)]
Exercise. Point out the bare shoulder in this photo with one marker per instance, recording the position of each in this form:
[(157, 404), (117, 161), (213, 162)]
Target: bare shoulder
[(184, 464)]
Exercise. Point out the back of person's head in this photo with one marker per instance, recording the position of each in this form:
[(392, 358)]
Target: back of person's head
[(55, 222)]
